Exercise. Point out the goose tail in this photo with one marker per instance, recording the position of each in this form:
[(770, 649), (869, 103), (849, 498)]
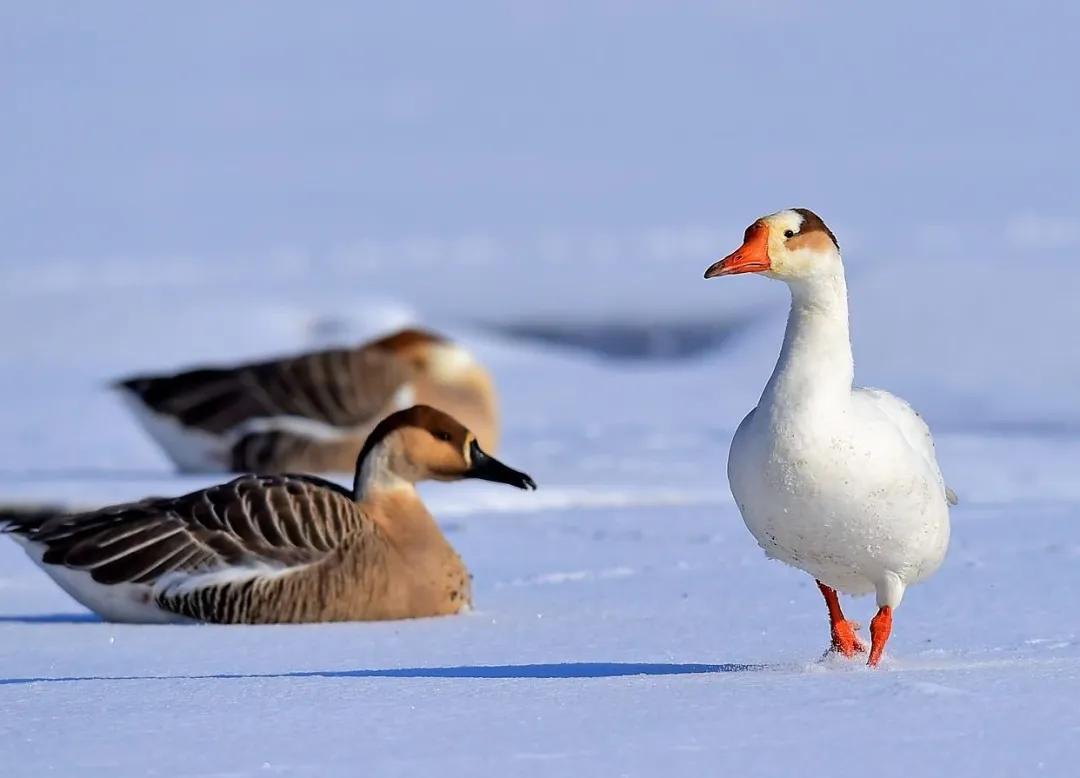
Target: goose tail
[(25, 518)]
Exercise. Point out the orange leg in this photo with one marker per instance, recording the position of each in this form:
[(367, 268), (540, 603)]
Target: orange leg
[(844, 638), (880, 629)]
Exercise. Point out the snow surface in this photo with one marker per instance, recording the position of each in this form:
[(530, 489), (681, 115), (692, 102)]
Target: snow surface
[(626, 623), (226, 181)]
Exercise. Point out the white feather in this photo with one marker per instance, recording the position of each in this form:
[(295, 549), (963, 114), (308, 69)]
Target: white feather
[(840, 482), (197, 451), (126, 602), (190, 449)]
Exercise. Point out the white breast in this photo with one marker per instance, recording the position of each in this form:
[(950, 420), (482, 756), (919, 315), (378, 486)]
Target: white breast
[(840, 493)]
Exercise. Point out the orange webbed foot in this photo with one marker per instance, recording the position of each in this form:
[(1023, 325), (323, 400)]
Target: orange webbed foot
[(846, 640)]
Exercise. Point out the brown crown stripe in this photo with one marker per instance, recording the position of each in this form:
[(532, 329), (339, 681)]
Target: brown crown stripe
[(406, 339), (422, 416), (813, 223)]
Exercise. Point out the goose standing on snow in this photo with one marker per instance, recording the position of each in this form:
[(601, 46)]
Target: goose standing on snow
[(311, 412), (276, 549), (839, 482)]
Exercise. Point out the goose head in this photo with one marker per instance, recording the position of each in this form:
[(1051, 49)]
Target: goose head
[(423, 443), (431, 356), (447, 375), (791, 245)]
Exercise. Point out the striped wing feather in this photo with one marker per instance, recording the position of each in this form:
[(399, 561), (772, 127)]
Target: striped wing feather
[(276, 450), (251, 522), (338, 387)]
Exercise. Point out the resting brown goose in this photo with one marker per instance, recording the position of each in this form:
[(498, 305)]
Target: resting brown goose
[(310, 412), (277, 549)]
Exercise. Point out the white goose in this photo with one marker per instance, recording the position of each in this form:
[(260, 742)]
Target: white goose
[(839, 482)]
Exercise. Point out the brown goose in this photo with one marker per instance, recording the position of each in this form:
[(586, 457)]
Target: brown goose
[(310, 412), (276, 549)]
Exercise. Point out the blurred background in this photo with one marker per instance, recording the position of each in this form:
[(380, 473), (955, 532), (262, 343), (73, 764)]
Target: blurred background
[(547, 181)]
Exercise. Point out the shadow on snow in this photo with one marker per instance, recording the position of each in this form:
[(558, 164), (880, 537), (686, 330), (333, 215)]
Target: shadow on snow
[(555, 670), (53, 618)]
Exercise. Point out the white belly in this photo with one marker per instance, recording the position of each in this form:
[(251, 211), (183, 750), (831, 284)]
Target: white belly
[(849, 503), (126, 602), (198, 451)]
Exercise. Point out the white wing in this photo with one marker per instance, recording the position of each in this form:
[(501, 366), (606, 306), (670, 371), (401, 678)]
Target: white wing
[(911, 426)]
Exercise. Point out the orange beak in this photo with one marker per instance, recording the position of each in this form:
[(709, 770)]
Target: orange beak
[(751, 257)]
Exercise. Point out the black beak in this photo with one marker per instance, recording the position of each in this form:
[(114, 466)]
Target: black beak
[(490, 469)]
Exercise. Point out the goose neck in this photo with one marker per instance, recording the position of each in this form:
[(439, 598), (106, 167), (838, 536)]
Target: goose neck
[(376, 476), (815, 361)]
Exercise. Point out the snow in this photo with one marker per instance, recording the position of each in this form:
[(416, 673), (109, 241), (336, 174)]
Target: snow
[(626, 640), (547, 183)]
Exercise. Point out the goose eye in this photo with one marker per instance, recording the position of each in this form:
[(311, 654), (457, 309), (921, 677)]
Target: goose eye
[(443, 436), (789, 233)]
